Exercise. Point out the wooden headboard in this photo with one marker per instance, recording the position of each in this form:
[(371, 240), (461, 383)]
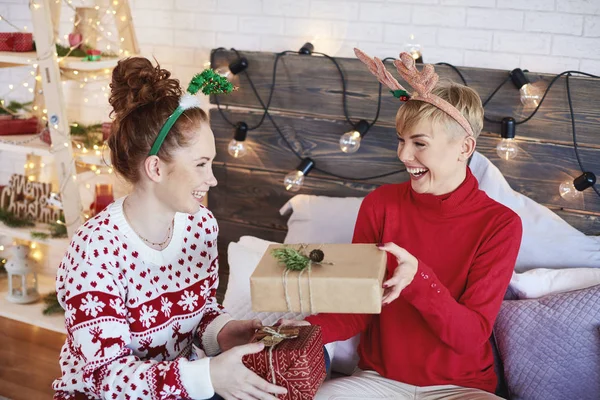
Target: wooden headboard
[(307, 106)]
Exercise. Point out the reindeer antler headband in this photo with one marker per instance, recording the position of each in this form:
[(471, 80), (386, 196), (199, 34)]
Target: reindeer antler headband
[(422, 82)]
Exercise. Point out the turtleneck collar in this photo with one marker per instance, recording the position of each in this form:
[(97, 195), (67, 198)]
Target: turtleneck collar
[(449, 203)]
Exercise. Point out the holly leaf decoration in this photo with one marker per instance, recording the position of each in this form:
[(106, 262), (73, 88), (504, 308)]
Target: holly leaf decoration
[(209, 82)]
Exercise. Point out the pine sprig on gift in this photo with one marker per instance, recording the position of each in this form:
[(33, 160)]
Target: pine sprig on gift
[(292, 259), (209, 82), (12, 221), (52, 304)]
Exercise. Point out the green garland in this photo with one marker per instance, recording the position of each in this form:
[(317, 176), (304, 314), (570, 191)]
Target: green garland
[(2, 267), (14, 107), (52, 304), (62, 51), (89, 135), (11, 220)]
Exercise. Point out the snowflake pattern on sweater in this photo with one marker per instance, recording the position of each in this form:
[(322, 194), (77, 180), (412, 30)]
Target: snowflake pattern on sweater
[(132, 312)]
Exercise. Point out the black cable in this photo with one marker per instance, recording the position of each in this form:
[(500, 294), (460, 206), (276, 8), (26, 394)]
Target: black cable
[(455, 70), (274, 75), (575, 146), (266, 112), (300, 157)]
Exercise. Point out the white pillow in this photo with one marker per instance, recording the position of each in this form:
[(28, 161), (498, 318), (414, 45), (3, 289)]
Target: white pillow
[(548, 241), (321, 219), (540, 282), (243, 257)]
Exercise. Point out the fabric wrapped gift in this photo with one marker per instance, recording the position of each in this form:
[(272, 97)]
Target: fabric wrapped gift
[(16, 41), (348, 280), (18, 126), (293, 358)]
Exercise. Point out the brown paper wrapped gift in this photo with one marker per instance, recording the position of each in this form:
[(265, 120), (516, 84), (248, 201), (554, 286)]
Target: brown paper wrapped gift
[(352, 283)]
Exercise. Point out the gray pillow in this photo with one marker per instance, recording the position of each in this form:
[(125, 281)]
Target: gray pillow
[(550, 347)]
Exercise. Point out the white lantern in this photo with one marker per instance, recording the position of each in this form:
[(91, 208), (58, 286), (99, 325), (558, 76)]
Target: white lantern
[(22, 277)]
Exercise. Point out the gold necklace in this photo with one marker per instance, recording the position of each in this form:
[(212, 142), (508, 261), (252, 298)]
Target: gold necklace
[(161, 244)]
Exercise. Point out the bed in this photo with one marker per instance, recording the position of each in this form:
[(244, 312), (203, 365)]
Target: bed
[(307, 107)]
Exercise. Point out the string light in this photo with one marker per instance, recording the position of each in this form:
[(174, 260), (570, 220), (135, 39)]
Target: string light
[(350, 141), (307, 49), (234, 68), (572, 189), (295, 179), (237, 147), (530, 94), (507, 148)]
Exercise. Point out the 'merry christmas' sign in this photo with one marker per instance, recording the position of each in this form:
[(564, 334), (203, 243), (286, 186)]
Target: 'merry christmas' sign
[(28, 199)]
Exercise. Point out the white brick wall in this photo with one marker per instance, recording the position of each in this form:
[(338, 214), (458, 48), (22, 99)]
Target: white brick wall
[(540, 35)]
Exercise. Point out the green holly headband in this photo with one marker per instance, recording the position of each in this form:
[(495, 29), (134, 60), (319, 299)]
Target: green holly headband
[(209, 82)]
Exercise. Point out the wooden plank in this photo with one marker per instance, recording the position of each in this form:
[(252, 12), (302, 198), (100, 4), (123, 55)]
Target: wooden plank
[(318, 139), (536, 172), (254, 197), (312, 86), (29, 360), (586, 223)]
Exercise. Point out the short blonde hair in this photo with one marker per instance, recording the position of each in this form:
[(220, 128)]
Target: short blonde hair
[(465, 99)]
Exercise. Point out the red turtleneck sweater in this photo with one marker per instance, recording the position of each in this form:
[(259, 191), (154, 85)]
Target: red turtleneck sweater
[(437, 332)]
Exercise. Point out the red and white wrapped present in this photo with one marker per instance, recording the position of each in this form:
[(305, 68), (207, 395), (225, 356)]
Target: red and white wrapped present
[(16, 41), (293, 358)]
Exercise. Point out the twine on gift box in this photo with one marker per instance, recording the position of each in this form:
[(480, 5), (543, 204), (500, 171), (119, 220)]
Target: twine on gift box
[(296, 260), (277, 337)]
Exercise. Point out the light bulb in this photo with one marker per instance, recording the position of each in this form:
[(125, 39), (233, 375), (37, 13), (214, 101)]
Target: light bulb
[(572, 189), (413, 48), (224, 71), (568, 192), (530, 94), (234, 68), (237, 146), (507, 149), (350, 141), (237, 149), (294, 180)]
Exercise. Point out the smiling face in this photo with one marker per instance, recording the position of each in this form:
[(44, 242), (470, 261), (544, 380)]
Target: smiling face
[(435, 159), (189, 175)]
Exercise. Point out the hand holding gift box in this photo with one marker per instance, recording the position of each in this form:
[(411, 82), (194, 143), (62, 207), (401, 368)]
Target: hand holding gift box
[(340, 278), (293, 358)]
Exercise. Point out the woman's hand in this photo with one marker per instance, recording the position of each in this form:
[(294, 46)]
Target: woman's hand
[(237, 333), (403, 275), (232, 380)]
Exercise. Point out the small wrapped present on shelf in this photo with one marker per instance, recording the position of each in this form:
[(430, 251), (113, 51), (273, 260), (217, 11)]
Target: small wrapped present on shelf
[(16, 41), (18, 126), (313, 278), (102, 198), (293, 358), (94, 55)]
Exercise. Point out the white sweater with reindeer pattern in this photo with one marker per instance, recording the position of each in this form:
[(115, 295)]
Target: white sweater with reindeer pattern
[(132, 313)]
